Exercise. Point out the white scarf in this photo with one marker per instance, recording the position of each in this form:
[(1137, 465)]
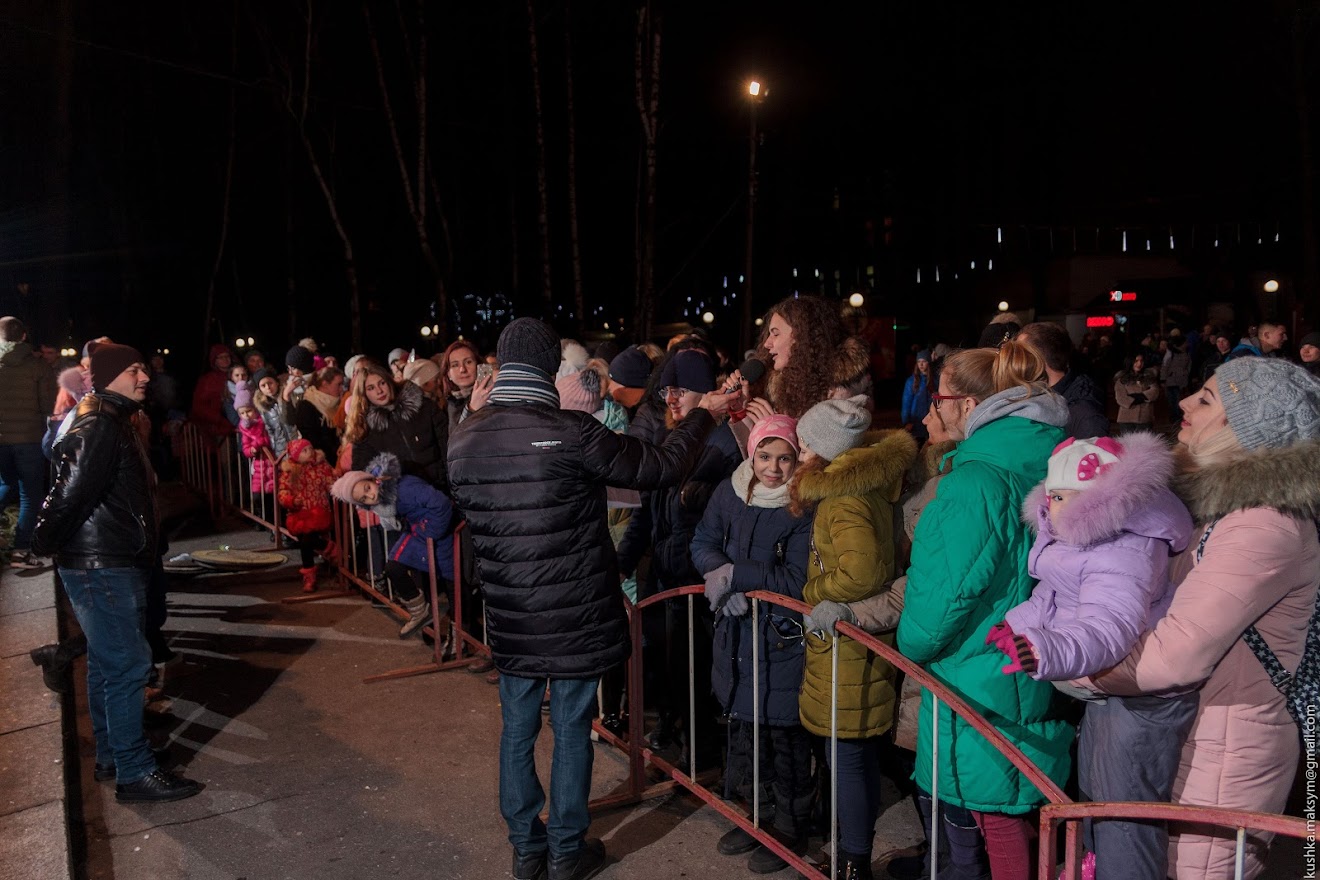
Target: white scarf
[(762, 495)]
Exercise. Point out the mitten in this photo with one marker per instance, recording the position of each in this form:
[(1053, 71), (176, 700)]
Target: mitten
[(823, 618), (719, 583), (1016, 647)]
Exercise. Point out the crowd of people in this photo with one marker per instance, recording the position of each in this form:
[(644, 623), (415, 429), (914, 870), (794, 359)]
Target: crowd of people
[(1090, 586)]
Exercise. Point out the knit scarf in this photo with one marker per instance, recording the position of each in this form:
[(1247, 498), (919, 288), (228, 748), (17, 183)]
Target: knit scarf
[(762, 495), (522, 384)]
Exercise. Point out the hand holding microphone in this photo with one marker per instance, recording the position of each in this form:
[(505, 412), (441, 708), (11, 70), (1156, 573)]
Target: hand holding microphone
[(750, 372)]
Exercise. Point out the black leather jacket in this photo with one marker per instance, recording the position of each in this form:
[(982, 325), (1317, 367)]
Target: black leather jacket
[(101, 512)]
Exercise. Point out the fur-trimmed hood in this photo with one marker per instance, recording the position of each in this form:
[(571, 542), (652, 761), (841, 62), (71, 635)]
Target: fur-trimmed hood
[(930, 462), (76, 381), (877, 465), (407, 402), (1286, 480), (1130, 495)]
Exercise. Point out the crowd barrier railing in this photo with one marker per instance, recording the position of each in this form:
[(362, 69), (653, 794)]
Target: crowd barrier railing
[(1058, 809), (223, 474)]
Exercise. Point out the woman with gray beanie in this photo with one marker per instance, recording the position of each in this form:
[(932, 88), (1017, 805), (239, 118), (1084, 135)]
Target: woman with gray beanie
[(1246, 592)]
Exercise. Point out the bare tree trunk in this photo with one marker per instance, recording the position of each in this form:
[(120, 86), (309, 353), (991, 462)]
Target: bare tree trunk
[(291, 283), (646, 72), (229, 183), (1303, 22), (299, 115), (579, 303), (415, 199), (543, 205)]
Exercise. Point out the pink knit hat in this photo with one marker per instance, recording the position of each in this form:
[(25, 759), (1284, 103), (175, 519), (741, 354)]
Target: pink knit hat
[(776, 426), (580, 391), (343, 487)]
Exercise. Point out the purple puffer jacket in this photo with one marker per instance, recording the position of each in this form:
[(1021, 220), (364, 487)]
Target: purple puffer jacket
[(1104, 570)]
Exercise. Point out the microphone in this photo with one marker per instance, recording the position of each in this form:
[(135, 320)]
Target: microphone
[(752, 370)]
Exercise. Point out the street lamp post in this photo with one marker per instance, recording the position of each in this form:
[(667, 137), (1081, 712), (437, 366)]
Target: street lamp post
[(755, 91)]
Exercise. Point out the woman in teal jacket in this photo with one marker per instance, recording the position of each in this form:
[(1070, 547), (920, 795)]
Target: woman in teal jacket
[(969, 566)]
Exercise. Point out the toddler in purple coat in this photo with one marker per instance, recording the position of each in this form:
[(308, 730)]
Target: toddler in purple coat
[(1107, 525)]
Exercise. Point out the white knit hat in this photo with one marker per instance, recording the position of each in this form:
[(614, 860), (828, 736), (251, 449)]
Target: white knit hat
[(1076, 463), (832, 427)]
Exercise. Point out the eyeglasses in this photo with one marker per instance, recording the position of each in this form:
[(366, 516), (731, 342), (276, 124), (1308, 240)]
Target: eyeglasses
[(672, 389), (936, 398)]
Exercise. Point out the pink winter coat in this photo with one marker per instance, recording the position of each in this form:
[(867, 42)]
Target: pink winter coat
[(1104, 570), (256, 446), (1261, 565)]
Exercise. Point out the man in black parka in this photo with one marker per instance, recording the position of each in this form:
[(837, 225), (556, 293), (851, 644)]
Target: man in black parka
[(530, 479)]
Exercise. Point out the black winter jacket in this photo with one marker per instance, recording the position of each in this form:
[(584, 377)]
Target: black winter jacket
[(413, 429), (1086, 405), (101, 511), (669, 515), (530, 481)]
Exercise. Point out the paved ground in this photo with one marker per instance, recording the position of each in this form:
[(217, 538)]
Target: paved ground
[(312, 774)]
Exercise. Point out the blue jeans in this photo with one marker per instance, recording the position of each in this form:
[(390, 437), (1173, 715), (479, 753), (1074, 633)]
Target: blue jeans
[(572, 707), (110, 604), (23, 468)]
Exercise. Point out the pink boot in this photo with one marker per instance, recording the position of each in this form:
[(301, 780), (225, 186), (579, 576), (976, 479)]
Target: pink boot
[(308, 579)]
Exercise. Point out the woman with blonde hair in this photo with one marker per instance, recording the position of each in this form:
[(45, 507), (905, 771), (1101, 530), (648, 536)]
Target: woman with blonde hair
[(969, 567), (1246, 591)]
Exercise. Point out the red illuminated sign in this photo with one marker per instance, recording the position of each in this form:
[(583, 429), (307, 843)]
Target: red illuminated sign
[(1102, 321), (1122, 296)]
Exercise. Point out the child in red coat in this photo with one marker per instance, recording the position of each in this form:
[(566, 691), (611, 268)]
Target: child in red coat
[(305, 481)]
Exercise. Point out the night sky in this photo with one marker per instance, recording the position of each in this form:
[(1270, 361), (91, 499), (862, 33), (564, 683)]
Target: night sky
[(949, 119)]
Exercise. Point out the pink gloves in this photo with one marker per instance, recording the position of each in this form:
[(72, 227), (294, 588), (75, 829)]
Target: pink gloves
[(1016, 647)]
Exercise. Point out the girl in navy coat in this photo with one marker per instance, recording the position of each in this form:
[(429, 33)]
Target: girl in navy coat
[(748, 540), (417, 510)]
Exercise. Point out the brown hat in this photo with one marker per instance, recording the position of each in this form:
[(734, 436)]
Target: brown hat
[(109, 360)]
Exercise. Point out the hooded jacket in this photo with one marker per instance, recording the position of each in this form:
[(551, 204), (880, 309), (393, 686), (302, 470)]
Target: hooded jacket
[(1261, 566), (27, 394), (1132, 410), (853, 558), (75, 383), (420, 511), (304, 491), (255, 440), (969, 567), (530, 480), (412, 428), (1104, 569), (768, 548)]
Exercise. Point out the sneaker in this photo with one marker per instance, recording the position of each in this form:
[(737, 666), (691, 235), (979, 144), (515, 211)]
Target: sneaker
[(106, 772), (529, 867), (26, 559), (736, 842), (419, 614), (157, 786), (584, 863)]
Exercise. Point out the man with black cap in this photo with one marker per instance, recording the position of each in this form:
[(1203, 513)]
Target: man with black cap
[(530, 478), (99, 522)]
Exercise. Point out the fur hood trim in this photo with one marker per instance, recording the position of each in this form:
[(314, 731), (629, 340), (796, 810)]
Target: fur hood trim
[(1106, 507), (852, 360), (930, 463), (1286, 480), (385, 468), (408, 399), (877, 465), (76, 381)]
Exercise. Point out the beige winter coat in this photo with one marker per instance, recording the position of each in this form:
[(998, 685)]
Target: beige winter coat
[(1130, 412), (1261, 565)]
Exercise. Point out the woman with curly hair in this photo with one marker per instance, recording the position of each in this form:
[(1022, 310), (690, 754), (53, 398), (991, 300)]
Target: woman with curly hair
[(811, 356), (398, 419)]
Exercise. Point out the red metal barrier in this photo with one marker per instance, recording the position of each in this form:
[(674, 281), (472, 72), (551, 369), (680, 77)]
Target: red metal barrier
[(1059, 808)]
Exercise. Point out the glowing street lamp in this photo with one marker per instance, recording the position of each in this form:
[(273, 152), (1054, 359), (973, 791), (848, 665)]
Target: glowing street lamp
[(754, 89), (856, 300), (426, 331), (708, 318), (1271, 286), (755, 93), (240, 342), (1003, 306)]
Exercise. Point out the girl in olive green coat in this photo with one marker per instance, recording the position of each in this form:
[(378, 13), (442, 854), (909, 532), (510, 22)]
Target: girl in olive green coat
[(853, 488)]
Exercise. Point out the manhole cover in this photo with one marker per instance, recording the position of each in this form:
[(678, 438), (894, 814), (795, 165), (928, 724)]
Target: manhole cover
[(238, 560)]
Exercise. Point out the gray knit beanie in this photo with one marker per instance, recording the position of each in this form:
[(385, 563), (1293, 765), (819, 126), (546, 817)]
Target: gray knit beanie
[(1270, 402), (532, 342), (832, 427)]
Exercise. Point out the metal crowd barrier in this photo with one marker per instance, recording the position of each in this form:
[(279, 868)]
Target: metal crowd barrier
[(223, 474), (1059, 809)]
